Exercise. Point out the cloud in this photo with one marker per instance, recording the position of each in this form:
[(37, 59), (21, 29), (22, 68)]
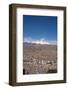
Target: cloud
[(53, 42), (40, 41)]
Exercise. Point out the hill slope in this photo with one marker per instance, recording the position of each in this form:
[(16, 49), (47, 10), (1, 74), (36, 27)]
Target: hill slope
[(39, 58)]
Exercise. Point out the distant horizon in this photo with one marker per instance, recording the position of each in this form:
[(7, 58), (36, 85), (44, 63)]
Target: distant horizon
[(41, 42), (40, 29), (38, 43)]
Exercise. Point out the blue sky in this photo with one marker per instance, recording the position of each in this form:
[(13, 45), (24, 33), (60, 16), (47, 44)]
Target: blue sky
[(38, 28)]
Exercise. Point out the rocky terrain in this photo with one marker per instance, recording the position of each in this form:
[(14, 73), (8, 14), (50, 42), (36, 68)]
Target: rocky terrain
[(39, 58)]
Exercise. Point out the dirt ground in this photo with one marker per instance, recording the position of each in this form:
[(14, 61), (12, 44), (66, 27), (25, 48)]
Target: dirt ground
[(39, 59)]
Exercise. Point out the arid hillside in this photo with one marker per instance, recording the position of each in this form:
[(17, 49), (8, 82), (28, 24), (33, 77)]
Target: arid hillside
[(39, 58)]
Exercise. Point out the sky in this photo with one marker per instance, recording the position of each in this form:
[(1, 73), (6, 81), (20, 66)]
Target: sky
[(40, 29)]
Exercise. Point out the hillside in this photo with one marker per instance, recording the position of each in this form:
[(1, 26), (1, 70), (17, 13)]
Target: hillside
[(39, 58)]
